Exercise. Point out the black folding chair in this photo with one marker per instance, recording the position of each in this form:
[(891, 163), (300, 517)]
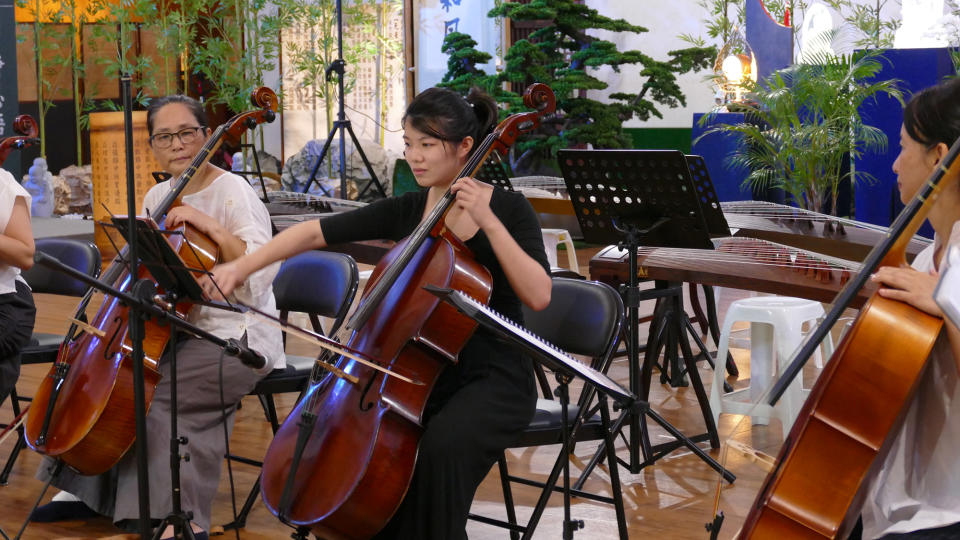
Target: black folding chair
[(583, 318), (82, 255)]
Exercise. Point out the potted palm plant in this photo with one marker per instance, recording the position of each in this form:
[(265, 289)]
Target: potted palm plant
[(802, 127)]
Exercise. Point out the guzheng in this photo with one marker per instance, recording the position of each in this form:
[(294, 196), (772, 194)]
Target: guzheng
[(807, 230), (740, 263), (287, 208)]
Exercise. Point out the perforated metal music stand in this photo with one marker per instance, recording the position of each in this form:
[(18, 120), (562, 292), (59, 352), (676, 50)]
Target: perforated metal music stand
[(494, 172), (707, 197), (636, 198), (718, 228)]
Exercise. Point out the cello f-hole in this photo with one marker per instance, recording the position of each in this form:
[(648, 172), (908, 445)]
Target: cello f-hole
[(363, 396), (118, 322)]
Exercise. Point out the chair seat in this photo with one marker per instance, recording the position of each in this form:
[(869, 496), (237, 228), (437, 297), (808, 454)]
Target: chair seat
[(291, 378), (543, 429), (43, 348)]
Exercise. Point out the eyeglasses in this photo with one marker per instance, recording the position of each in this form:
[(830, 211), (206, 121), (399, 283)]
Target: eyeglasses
[(186, 136)]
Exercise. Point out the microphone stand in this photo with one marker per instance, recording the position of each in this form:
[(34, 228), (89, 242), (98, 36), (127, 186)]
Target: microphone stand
[(136, 323)]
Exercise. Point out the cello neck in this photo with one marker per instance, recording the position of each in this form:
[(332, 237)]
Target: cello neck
[(430, 226)]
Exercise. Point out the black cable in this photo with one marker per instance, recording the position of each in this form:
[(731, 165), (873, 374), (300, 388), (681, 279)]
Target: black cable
[(4, 534), (226, 442)]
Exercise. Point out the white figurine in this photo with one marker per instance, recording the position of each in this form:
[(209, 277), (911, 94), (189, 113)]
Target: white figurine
[(39, 183)]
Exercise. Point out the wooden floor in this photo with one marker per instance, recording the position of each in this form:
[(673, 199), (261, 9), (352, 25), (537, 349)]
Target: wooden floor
[(672, 499)]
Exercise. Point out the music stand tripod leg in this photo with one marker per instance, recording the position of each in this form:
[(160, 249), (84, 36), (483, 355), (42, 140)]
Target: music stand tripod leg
[(177, 518), (316, 166), (338, 68)]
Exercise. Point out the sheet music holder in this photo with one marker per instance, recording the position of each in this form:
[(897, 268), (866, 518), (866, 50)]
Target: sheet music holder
[(547, 354), (649, 190), (566, 368), (494, 172), (647, 198), (707, 197), (165, 265)]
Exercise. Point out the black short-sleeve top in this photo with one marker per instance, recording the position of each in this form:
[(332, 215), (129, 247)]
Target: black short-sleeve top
[(395, 218)]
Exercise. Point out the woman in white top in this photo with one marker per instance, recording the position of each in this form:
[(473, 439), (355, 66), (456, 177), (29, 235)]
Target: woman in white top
[(224, 207), (916, 495), (16, 303)]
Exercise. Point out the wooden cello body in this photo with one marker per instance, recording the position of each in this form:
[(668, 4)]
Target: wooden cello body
[(342, 461), (83, 411), (857, 406), (92, 424), (845, 426), (362, 451)]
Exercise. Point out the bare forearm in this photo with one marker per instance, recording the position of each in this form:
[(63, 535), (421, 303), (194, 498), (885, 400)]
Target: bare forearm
[(527, 278), (16, 242), (297, 239), (13, 252)]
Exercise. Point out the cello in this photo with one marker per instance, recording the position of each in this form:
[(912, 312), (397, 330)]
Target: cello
[(26, 126), (343, 459), (859, 401), (83, 411)]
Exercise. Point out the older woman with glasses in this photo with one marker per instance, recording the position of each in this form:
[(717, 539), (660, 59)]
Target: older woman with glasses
[(224, 207)]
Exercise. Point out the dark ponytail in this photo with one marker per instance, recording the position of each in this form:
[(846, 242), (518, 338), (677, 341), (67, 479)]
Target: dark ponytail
[(446, 115), (933, 115)]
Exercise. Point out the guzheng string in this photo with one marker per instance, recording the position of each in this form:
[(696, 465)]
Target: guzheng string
[(751, 251)]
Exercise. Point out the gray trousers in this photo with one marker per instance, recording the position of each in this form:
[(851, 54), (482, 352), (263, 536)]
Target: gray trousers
[(200, 420)]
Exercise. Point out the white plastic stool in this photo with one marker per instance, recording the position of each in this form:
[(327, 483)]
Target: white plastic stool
[(776, 330), (551, 238)]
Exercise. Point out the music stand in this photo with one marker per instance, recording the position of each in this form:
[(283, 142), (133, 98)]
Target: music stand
[(644, 198), (494, 172), (566, 369), (718, 228), (172, 275)]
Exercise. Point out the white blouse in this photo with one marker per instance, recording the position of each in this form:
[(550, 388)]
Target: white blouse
[(10, 190), (919, 484), (231, 201)]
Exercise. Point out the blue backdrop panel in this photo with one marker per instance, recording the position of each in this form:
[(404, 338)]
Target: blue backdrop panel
[(715, 148), (879, 203), (772, 43)]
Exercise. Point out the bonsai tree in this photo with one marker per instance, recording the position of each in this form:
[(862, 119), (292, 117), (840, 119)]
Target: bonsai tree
[(463, 73), (563, 56)]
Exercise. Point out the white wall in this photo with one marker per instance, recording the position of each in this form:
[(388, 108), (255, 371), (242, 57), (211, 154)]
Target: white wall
[(665, 22)]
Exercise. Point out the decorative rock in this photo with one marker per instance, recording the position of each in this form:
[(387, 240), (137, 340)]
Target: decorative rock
[(297, 168), (39, 182), (80, 182), (61, 196)]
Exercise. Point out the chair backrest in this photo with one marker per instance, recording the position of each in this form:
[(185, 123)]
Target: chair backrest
[(583, 317), (82, 255), (320, 283)]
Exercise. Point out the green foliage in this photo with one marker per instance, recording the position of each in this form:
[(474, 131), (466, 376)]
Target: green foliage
[(803, 122), (564, 56), (865, 18)]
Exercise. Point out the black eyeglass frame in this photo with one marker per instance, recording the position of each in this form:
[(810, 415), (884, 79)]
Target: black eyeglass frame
[(190, 131)]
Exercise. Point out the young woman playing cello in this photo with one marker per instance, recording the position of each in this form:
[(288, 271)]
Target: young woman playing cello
[(916, 495), (16, 303), (479, 405), (224, 207)]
